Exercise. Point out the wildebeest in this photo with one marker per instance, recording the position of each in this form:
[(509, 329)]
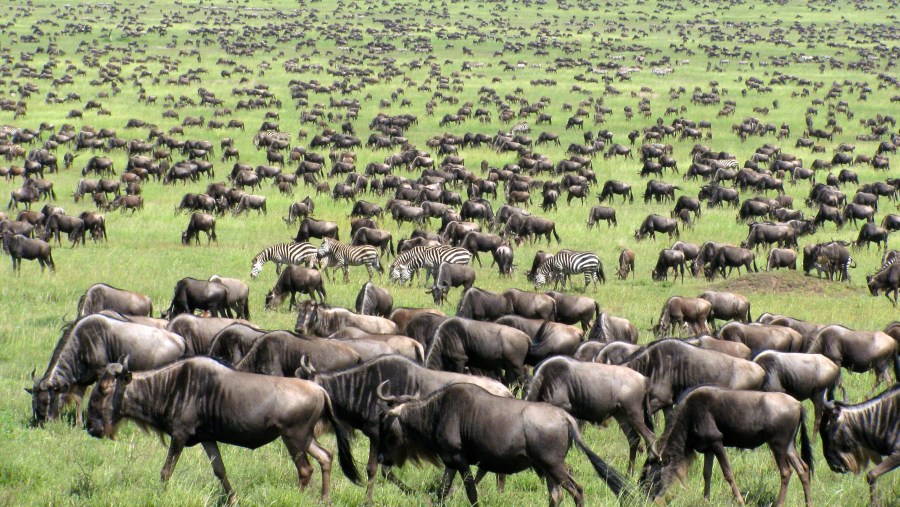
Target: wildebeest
[(199, 332), (595, 392), (58, 223), (709, 419), (312, 228), (101, 296), (858, 351), (280, 353), (548, 338), (608, 328), (803, 376), (354, 395), (192, 294), (574, 309), (238, 295), (727, 306), (296, 279), (674, 367), (766, 234), (691, 313), (447, 426), (887, 280), (211, 402), (476, 242), (668, 259), (870, 233), (461, 343), (612, 187), (532, 305), (730, 257), (479, 304), (626, 264), (761, 337), (323, 320), (656, 223), (781, 258), (374, 237), (833, 258), (449, 276), (599, 213), (200, 222), (20, 247), (374, 300), (86, 346), (853, 435)]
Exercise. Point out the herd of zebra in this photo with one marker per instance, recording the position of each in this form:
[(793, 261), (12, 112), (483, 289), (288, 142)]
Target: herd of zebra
[(554, 268)]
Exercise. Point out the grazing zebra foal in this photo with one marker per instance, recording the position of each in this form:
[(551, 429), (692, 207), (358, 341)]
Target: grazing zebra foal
[(266, 137), (521, 128), (407, 264), (567, 262), (337, 254), (283, 253)]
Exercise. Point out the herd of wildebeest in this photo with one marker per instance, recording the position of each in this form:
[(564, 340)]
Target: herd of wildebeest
[(504, 383)]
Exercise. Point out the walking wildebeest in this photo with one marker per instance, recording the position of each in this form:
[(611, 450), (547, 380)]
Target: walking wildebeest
[(858, 351), (656, 223), (460, 343), (760, 337), (292, 280), (199, 332), (692, 313), (803, 376), (20, 247), (853, 435), (449, 426), (727, 306), (192, 294), (199, 400), (238, 295), (709, 419), (887, 280)]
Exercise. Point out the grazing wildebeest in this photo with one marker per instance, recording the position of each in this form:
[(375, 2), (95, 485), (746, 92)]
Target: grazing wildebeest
[(99, 297), (58, 223), (574, 309), (461, 343), (709, 419), (192, 294), (731, 257), (626, 264), (761, 337), (803, 376), (374, 300), (238, 295), (354, 396), (448, 426), (322, 320), (852, 212), (766, 234), (870, 233), (858, 351), (612, 187), (674, 367), (599, 213), (668, 259), (479, 304), (691, 313), (200, 222), (449, 276), (656, 223), (532, 305), (280, 353), (86, 346), (594, 392), (727, 306), (476, 242), (312, 228), (292, 280), (200, 400), (374, 237), (548, 338), (833, 258), (887, 280), (20, 247), (853, 435)]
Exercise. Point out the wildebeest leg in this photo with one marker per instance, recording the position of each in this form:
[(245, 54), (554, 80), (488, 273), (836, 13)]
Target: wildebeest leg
[(371, 470), (324, 458), (471, 486), (297, 451), (708, 461), (802, 471), (719, 451), (784, 468), (175, 448), (818, 401), (215, 458), (633, 441), (892, 462), (388, 474), (446, 482)]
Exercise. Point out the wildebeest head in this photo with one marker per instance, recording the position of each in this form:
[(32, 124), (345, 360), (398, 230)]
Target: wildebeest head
[(44, 400), (397, 441), (105, 405), (842, 451), (439, 292), (660, 470)]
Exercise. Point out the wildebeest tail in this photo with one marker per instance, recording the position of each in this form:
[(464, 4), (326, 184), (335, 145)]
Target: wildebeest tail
[(342, 435), (391, 246), (81, 302), (897, 365), (555, 235), (648, 415), (610, 475), (806, 453), (749, 318)]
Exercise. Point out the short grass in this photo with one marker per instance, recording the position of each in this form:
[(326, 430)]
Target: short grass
[(62, 465)]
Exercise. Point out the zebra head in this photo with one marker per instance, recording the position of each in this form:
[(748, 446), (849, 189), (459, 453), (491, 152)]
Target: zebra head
[(540, 279), (326, 247), (400, 274), (256, 268)]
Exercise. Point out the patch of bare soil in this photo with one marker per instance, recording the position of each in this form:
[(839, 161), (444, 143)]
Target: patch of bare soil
[(782, 282)]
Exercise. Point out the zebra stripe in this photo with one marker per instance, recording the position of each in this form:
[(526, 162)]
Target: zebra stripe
[(558, 268), (283, 253), (271, 135), (889, 258), (343, 256), (408, 263), (521, 128)]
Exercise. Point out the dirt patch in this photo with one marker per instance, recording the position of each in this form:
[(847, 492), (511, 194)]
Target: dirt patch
[(782, 282)]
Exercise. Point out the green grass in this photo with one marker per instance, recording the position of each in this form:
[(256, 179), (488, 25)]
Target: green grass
[(62, 465)]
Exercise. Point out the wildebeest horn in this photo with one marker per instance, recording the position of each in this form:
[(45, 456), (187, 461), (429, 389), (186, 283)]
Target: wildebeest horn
[(33, 371), (305, 363), (124, 362), (380, 392)]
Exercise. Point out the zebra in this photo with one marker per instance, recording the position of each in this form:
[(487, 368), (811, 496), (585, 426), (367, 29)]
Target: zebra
[(266, 137), (283, 253), (408, 263), (339, 255), (520, 128), (889, 258), (567, 262)]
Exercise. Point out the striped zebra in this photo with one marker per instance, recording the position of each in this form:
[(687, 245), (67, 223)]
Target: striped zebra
[(407, 264), (889, 258), (283, 253), (340, 255), (567, 262), (520, 128), (266, 137)]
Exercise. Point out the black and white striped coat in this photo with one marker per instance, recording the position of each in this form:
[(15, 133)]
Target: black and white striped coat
[(340, 255), (558, 267), (283, 253), (407, 264)]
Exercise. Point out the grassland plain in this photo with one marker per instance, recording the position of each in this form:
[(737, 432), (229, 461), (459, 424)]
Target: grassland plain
[(62, 465)]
